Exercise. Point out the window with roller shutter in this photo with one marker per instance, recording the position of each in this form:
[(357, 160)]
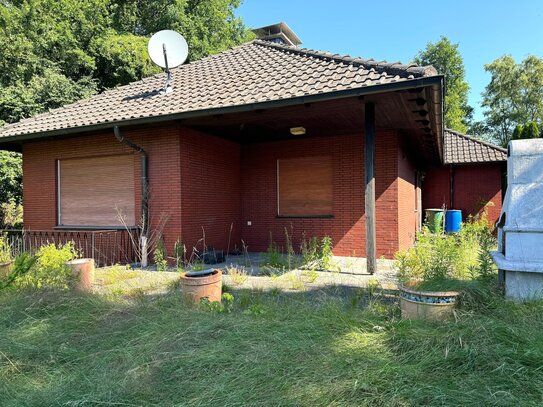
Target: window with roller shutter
[(304, 187), (94, 191)]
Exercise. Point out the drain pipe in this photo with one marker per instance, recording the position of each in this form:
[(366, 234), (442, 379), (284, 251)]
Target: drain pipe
[(144, 192)]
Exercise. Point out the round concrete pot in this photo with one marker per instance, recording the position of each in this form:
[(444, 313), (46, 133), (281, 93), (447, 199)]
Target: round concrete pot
[(203, 284), (429, 305), (5, 268), (83, 274)]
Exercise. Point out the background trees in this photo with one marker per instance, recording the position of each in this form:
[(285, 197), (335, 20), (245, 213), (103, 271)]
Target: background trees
[(445, 57), (57, 52), (514, 97)]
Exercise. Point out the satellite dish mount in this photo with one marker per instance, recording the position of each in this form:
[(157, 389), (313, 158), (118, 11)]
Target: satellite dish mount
[(167, 49)]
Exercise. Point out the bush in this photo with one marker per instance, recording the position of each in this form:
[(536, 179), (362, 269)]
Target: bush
[(159, 256), (50, 269), (440, 256)]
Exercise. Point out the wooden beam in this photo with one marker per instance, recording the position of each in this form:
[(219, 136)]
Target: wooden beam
[(369, 198)]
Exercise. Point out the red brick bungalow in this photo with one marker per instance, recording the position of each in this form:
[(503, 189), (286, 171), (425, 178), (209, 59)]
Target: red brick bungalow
[(259, 138)]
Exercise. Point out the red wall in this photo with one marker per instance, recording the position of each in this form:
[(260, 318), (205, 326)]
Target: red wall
[(202, 181), (347, 227), (210, 193), (473, 184), (162, 146)]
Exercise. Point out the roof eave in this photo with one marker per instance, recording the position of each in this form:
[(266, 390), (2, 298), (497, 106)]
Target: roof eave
[(434, 82)]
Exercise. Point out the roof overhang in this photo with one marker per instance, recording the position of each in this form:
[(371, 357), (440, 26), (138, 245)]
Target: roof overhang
[(432, 86)]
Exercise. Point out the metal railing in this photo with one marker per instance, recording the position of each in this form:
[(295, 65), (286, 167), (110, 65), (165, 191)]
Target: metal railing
[(106, 247)]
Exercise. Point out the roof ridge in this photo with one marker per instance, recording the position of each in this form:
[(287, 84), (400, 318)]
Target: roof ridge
[(472, 138), (384, 66)]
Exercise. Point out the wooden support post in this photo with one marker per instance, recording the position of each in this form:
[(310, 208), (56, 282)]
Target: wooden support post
[(369, 198)]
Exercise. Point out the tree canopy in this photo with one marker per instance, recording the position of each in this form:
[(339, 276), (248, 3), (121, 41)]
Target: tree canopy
[(513, 97), (57, 52), (446, 58)]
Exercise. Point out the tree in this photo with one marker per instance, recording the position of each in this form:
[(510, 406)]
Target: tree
[(513, 96), (530, 130), (57, 52), (445, 57)]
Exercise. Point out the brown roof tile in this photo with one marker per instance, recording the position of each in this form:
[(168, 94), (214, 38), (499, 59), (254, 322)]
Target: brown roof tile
[(462, 149), (250, 73)]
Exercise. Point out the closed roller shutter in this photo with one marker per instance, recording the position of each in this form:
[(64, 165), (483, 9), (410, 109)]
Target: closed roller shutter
[(305, 186), (94, 190)]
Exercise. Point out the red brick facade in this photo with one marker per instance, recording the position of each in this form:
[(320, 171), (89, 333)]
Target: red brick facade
[(205, 184), (474, 185)]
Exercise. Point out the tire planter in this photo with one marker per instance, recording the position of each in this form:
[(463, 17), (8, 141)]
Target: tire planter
[(5, 268), (83, 274), (204, 284), (429, 305)]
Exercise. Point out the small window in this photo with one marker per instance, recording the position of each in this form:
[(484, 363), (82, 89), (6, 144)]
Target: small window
[(94, 191), (304, 186)]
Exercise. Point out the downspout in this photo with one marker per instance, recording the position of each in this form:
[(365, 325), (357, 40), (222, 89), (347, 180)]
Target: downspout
[(144, 191)]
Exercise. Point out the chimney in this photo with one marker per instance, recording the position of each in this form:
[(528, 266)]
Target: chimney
[(279, 33)]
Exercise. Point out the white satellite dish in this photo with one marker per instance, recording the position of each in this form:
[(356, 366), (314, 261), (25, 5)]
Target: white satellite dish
[(168, 49)]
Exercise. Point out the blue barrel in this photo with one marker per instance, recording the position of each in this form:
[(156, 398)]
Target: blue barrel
[(453, 221)]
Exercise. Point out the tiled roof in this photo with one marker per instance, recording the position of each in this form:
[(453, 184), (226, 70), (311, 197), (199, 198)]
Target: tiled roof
[(258, 71), (462, 149)]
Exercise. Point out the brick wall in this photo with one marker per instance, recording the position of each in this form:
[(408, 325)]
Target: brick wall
[(210, 194), (162, 146), (473, 184), (347, 227), (198, 180)]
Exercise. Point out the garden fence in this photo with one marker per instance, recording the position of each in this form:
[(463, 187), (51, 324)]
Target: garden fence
[(106, 247)]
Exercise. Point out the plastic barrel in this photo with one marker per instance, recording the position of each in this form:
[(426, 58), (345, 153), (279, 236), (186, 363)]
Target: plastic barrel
[(453, 221), (434, 219)]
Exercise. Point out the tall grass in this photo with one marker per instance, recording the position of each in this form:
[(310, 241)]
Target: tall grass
[(310, 349)]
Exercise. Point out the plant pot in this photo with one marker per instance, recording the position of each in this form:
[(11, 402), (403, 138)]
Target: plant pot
[(206, 284), (83, 274), (429, 305), (5, 268)]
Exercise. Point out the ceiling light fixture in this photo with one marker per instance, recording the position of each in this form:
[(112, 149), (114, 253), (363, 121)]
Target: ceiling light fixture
[(297, 131)]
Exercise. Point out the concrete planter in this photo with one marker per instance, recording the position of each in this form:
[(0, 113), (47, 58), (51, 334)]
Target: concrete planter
[(83, 274), (5, 268), (203, 284), (429, 305)]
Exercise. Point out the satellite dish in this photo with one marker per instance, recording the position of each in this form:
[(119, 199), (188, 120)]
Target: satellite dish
[(168, 49)]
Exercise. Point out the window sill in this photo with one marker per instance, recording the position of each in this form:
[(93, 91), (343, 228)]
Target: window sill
[(304, 217), (96, 228)]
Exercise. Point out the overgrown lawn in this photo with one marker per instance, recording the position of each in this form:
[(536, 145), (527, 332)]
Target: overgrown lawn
[(309, 349)]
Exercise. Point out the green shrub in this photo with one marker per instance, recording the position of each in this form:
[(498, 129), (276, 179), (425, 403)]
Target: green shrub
[(317, 254), (273, 257), (440, 256), (159, 256), (22, 265), (51, 269)]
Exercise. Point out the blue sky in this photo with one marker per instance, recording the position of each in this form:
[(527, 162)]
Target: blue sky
[(397, 30)]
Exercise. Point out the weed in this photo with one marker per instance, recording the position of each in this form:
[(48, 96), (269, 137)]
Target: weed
[(159, 256), (237, 274), (296, 281), (325, 253), (50, 269), (275, 291), (272, 256), (218, 307), (255, 309), (310, 276), (179, 251)]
